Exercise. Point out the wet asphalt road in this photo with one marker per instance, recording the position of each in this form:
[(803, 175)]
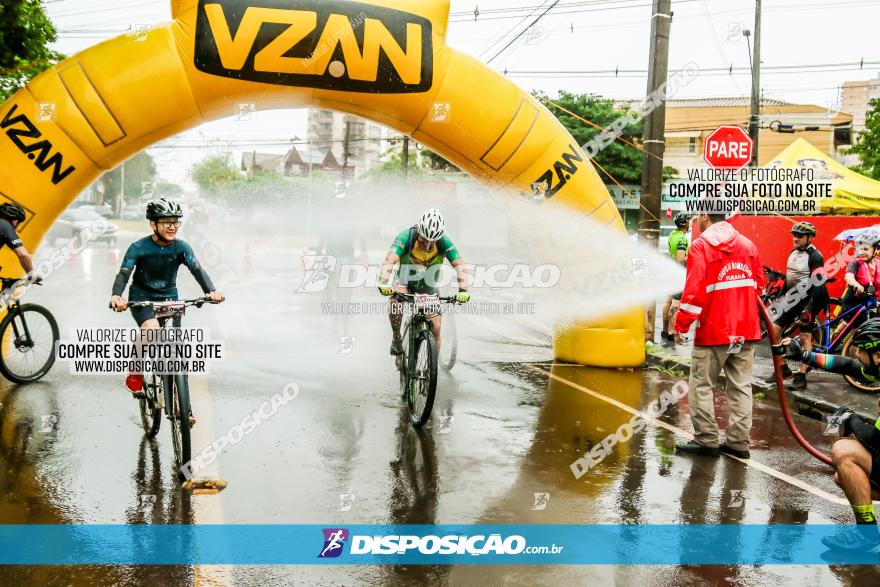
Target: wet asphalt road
[(506, 426)]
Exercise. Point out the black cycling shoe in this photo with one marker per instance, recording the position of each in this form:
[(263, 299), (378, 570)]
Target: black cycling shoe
[(856, 538), (396, 348)]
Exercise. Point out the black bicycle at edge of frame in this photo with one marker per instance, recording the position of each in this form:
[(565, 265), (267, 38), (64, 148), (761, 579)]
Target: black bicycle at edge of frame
[(28, 336), (418, 363), (169, 393)]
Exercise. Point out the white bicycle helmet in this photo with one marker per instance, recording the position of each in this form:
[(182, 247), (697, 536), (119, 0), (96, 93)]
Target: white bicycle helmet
[(432, 225)]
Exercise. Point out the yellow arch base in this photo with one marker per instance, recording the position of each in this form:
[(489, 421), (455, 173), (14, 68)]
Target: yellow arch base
[(385, 60)]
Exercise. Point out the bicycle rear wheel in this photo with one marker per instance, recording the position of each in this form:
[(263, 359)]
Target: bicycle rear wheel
[(422, 383), (449, 344), (27, 343), (857, 382), (179, 408), (151, 415)]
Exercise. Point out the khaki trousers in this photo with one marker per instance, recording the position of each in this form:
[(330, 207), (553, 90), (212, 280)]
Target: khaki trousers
[(706, 365)]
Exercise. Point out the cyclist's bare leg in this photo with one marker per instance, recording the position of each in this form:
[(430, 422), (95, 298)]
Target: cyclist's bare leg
[(667, 309), (673, 307), (852, 461), (807, 345), (435, 330), (395, 315)]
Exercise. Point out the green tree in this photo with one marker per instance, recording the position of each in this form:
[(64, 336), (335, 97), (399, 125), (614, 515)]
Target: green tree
[(438, 162), (419, 161), (621, 161), (867, 145), (215, 172), (139, 170), (25, 33)]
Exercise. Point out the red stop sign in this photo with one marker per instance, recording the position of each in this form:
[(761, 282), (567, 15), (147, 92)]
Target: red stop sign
[(728, 146)]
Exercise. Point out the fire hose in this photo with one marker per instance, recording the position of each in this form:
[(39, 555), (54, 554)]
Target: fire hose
[(780, 385)]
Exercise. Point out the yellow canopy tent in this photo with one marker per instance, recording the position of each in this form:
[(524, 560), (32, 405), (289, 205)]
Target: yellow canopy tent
[(853, 192)]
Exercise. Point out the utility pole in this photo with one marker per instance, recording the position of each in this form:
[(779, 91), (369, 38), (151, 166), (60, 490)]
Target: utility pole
[(655, 122), (345, 148), (755, 118), (653, 139), (405, 156), (117, 205)]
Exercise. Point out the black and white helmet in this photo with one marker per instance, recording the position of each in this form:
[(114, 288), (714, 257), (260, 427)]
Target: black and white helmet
[(432, 225), (163, 208)]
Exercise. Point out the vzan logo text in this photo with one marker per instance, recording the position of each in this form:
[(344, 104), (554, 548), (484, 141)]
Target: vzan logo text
[(325, 44), (20, 127), (562, 172)]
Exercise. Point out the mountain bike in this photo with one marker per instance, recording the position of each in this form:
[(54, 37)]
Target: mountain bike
[(834, 334), (28, 336), (169, 393), (418, 363)]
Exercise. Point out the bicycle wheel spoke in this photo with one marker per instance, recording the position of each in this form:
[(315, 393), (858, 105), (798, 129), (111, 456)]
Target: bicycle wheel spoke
[(28, 354)]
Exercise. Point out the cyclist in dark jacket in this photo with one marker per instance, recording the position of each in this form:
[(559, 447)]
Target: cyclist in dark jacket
[(154, 260)]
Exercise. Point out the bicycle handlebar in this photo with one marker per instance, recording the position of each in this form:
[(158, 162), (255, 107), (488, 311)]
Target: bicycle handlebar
[(7, 282), (408, 297), (197, 302)]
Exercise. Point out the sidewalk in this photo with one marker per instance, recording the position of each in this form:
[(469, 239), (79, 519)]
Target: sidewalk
[(824, 394)]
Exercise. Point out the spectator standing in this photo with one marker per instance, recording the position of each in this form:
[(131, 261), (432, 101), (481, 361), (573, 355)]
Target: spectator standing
[(724, 278)]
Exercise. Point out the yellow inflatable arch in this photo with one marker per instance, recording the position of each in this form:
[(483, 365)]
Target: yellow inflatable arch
[(385, 60)]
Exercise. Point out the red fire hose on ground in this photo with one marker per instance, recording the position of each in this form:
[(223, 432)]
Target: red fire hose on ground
[(783, 401)]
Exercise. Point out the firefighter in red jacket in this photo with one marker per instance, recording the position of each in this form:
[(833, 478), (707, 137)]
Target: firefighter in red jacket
[(724, 278)]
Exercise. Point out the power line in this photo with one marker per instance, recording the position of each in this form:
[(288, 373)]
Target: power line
[(510, 30), (512, 41)]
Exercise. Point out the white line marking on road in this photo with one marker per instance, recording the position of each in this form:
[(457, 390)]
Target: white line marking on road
[(210, 507), (748, 462)]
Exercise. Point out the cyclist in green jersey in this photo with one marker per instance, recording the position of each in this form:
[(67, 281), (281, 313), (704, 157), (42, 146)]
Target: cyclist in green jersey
[(678, 250), (418, 252)]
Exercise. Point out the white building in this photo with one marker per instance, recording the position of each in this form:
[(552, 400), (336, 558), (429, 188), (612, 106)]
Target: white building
[(327, 130), (855, 97)]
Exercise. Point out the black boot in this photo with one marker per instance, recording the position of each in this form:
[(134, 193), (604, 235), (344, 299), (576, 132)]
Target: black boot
[(799, 382), (786, 373)]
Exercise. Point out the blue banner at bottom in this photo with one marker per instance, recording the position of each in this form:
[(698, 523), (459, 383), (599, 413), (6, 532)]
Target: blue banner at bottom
[(440, 544)]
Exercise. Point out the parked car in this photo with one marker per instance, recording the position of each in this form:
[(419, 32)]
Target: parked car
[(72, 222), (104, 210), (134, 212)]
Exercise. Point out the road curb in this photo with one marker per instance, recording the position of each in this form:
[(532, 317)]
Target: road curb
[(801, 402)]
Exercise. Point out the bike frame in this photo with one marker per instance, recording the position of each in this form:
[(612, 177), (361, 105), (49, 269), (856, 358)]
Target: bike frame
[(866, 306)]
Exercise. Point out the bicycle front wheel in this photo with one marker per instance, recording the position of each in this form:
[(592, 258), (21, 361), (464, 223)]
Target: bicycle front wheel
[(27, 343), (422, 381), (179, 408), (151, 416)]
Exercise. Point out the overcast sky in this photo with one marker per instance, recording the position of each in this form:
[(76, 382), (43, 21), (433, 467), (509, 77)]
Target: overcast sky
[(577, 35)]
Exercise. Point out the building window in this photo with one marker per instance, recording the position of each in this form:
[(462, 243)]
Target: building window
[(692, 145)]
